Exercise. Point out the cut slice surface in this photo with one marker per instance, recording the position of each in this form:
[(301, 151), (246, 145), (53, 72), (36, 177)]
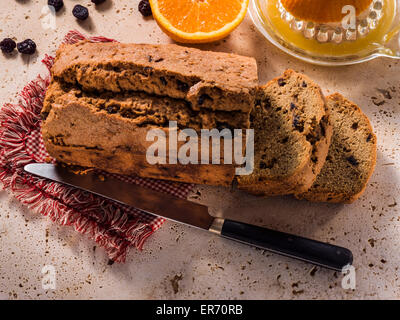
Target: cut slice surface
[(197, 21), (292, 135), (351, 158)]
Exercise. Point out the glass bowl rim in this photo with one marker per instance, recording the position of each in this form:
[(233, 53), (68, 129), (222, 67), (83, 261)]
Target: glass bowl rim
[(303, 55)]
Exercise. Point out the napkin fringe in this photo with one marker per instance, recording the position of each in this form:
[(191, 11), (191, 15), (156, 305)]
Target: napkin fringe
[(111, 228)]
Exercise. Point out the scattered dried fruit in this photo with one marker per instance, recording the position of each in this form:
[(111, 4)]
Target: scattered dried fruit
[(352, 160), (98, 1), (57, 4), (7, 45), (203, 98), (80, 12), (297, 123), (263, 165), (163, 81), (27, 46), (145, 8), (281, 82), (182, 86), (113, 109)]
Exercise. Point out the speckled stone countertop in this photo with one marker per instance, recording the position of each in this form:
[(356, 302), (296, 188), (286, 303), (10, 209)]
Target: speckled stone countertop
[(179, 262)]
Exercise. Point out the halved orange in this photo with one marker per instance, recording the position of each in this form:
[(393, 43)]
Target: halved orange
[(198, 21)]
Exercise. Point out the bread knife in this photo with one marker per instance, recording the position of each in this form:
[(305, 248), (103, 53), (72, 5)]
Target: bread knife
[(197, 215)]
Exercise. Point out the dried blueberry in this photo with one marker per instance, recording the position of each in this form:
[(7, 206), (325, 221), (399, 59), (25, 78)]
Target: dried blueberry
[(113, 109), (304, 84), (98, 1), (263, 165), (80, 12), (182, 86), (7, 45), (27, 46), (352, 160), (269, 165), (163, 81), (281, 82), (297, 123), (292, 106), (369, 138), (148, 70), (145, 8), (56, 4), (203, 98)]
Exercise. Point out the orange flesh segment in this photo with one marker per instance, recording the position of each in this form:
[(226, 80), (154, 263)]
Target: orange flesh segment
[(200, 15)]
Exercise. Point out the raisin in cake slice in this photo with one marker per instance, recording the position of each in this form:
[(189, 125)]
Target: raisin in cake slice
[(292, 136), (351, 158)]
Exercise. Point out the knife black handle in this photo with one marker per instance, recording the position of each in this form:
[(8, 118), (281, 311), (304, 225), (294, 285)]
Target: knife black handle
[(315, 252)]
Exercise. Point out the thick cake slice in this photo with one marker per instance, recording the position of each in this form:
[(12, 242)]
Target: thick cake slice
[(351, 158), (206, 79), (292, 136)]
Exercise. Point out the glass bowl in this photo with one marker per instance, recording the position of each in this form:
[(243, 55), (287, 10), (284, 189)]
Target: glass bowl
[(377, 34)]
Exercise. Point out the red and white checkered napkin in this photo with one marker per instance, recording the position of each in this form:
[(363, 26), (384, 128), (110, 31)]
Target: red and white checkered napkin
[(113, 226)]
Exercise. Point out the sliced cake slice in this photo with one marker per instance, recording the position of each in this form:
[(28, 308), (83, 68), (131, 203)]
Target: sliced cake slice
[(351, 158), (292, 136)]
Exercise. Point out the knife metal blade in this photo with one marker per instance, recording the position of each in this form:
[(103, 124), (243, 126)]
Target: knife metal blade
[(197, 215), (152, 202)]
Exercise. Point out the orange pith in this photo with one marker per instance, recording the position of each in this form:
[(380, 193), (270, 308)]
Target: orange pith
[(198, 20), (323, 11)]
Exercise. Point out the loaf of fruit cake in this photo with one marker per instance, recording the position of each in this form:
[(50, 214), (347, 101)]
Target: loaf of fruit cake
[(104, 98)]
